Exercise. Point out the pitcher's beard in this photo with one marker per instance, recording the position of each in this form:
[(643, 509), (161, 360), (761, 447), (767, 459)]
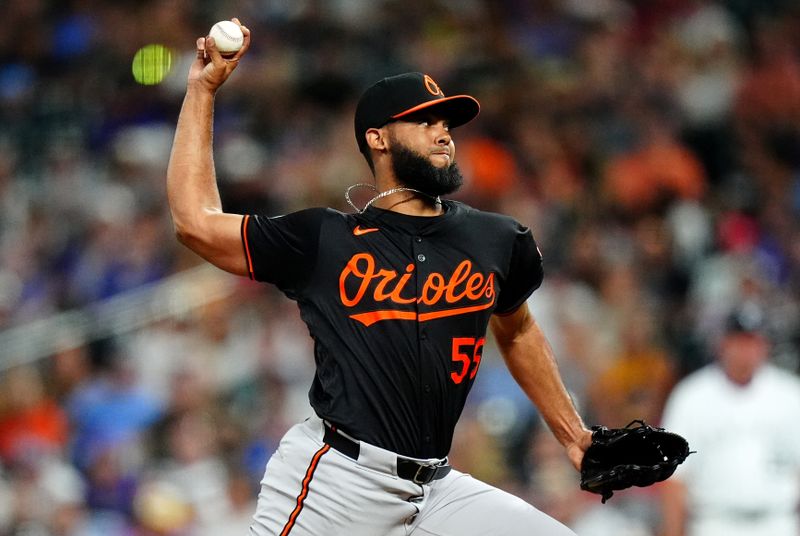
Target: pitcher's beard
[(415, 171)]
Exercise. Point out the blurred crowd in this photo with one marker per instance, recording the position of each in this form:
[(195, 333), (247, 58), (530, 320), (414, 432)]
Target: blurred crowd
[(652, 145)]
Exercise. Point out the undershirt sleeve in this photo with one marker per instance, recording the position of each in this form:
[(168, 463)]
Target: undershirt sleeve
[(282, 250)]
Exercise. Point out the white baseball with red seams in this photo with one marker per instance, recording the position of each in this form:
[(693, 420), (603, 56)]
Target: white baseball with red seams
[(228, 36)]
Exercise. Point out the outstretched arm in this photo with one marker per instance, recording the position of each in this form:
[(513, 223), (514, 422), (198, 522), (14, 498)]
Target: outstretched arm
[(531, 362), (194, 200)]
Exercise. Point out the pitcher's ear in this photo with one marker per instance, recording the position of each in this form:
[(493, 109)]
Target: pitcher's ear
[(376, 139)]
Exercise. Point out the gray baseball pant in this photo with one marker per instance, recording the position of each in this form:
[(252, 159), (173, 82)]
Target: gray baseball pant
[(311, 489)]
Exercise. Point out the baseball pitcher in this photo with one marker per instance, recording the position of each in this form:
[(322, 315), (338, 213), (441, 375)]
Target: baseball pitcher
[(397, 297)]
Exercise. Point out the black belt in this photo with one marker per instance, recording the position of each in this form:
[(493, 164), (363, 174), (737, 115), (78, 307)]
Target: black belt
[(419, 473)]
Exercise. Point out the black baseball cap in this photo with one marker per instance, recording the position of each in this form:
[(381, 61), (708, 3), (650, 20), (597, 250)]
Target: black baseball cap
[(398, 96)]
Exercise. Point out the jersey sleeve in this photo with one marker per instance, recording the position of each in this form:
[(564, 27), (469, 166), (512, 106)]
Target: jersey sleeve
[(525, 272), (282, 250)]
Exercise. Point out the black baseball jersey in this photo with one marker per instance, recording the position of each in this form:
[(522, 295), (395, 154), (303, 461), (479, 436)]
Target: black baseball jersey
[(397, 307)]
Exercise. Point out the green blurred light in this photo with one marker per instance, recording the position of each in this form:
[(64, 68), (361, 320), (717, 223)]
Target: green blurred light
[(151, 64)]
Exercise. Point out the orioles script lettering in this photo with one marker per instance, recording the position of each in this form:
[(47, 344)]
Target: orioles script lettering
[(463, 291)]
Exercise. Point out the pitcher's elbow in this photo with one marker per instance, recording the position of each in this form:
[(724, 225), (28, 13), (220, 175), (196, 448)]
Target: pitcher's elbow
[(184, 234)]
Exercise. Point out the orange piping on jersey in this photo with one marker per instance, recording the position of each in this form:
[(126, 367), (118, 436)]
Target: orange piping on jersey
[(247, 247), (304, 493)]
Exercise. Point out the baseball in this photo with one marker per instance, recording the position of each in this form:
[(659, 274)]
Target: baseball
[(228, 36)]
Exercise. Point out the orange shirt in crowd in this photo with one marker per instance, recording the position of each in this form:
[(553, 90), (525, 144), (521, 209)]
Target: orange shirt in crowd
[(639, 180), (44, 423)]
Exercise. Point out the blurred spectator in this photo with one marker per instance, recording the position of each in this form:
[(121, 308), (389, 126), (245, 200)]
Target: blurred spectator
[(636, 384), (110, 410), (29, 419), (111, 485), (239, 518), (745, 476), (162, 509), (69, 367), (654, 174), (193, 471), (491, 167), (48, 496)]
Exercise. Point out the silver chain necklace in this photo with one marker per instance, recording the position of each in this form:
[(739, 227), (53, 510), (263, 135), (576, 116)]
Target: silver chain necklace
[(381, 195)]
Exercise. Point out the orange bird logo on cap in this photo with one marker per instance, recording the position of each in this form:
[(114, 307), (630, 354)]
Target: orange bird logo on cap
[(432, 87)]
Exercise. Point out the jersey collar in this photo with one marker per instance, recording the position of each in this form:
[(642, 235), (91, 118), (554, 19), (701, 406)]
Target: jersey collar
[(413, 224)]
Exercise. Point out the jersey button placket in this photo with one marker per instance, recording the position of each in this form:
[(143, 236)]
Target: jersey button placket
[(421, 277), (422, 333)]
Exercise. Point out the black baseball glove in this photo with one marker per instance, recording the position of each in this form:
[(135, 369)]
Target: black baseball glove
[(619, 458)]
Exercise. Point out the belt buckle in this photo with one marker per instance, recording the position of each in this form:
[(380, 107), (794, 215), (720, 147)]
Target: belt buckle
[(427, 478)]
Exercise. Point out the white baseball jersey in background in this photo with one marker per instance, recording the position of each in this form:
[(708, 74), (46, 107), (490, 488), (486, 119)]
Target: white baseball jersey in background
[(745, 476)]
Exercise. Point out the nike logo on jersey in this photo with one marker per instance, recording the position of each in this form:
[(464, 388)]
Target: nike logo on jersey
[(358, 231), (464, 291)]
